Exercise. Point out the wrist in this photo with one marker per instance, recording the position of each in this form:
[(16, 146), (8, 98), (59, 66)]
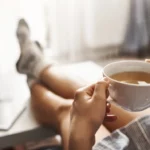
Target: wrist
[(77, 142), (81, 135), (81, 128)]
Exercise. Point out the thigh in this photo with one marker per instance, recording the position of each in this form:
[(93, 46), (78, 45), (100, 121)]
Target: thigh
[(61, 82), (47, 107)]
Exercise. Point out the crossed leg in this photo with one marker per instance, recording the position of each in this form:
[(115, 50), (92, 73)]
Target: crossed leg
[(65, 85), (53, 108), (54, 111)]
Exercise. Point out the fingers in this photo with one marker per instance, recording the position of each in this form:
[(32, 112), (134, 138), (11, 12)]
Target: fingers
[(108, 105), (100, 91), (97, 91), (107, 93), (106, 80), (88, 90), (110, 117)]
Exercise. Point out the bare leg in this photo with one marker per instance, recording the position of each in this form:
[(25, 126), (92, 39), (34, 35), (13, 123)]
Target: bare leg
[(47, 106), (52, 110), (63, 84)]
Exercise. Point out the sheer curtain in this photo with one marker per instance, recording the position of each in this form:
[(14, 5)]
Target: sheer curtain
[(79, 27), (66, 27), (71, 28)]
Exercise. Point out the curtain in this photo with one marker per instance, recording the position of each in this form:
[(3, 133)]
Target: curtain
[(77, 27), (64, 27)]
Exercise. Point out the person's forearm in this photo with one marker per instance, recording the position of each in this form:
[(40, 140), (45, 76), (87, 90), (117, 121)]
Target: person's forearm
[(81, 143)]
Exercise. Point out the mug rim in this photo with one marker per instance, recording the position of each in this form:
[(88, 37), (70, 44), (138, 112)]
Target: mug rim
[(123, 83)]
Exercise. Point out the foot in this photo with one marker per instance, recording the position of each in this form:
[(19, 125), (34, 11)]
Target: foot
[(39, 45), (31, 59), (23, 32)]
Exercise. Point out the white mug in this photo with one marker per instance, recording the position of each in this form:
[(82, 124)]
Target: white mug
[(132, 97)]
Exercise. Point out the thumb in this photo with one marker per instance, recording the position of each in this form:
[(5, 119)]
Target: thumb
[(100, 91)]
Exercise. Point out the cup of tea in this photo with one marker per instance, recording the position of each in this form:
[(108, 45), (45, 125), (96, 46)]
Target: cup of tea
[(129, 84)]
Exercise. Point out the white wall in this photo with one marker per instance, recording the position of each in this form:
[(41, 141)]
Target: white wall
[(80, 24), (95, 23), (13, 84), (105, 22), (8, 46), (10, 12)]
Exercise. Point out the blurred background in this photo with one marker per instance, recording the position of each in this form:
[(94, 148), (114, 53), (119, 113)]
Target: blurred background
[(75, 30)]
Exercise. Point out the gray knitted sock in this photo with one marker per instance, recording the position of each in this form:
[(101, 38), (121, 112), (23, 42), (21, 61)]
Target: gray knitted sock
[(31, 80), (31, 59)]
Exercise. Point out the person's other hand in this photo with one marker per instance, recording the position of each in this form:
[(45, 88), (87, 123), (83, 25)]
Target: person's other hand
[(90, 108)]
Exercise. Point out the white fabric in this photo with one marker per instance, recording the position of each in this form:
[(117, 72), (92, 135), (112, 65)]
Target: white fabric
[(68, 26), (78, 25)]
